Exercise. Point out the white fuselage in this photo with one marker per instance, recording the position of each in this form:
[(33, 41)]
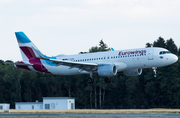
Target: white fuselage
[(133, 58)]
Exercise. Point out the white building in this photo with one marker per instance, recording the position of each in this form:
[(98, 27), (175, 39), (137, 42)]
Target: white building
[(28, 105), (58, 103), (4, 106), (48, 103)]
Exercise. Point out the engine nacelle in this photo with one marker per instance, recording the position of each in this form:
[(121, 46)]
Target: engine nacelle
[(107, 70), (132, 72)]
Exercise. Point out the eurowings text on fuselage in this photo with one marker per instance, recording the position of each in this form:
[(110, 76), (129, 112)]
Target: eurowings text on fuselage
[(106, 64)]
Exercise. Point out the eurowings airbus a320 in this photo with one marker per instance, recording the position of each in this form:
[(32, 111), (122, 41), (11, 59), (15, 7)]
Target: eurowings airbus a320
[(105, 64)]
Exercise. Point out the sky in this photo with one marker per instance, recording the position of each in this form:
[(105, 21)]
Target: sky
[(73, 26)]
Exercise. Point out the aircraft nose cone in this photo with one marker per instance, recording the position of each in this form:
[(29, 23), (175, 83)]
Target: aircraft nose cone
[(175, 58)]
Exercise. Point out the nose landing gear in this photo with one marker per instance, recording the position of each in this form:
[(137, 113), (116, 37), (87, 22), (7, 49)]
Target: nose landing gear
[(155, 71)]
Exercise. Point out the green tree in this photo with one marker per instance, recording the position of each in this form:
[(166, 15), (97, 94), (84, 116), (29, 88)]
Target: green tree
[(171, 46), (148, 45), (159, 43), (102, 47), (178, 52)]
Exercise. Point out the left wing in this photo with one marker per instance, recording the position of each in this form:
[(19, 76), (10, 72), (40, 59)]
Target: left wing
[(80, 65)]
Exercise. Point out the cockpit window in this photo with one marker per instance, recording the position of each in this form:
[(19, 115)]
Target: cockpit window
[(164, 52)]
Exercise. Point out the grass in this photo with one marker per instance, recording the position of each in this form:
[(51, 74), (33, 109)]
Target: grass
[(93, 111)]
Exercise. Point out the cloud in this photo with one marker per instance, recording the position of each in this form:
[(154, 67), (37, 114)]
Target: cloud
[(5, 1)]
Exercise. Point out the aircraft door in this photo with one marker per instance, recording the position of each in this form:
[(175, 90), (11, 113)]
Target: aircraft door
[(150, 54)]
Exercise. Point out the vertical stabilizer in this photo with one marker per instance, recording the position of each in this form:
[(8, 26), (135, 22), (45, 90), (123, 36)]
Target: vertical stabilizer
[(30, 54), (26, 46)]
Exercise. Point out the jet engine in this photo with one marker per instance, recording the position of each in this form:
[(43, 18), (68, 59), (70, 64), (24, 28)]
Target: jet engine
[(107, 70), (132, 72)]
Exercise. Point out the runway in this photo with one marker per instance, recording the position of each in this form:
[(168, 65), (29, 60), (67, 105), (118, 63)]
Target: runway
[(89, 115)]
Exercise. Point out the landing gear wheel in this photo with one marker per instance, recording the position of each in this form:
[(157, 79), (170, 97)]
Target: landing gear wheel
[(107, 80), (155, 75), (155, 71), (90, 80)]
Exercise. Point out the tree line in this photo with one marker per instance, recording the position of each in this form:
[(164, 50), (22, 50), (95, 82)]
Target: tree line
[(144, 91)]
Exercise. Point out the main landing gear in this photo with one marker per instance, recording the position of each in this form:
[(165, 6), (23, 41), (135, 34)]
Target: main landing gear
[(91, 80), (107, 80), (155, 71)]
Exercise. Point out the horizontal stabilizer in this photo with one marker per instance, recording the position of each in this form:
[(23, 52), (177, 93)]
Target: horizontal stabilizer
[(18, 63)]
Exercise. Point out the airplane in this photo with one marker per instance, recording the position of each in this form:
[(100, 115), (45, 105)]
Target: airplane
[(105, 64)]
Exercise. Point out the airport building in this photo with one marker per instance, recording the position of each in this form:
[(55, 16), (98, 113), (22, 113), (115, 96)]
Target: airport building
[(48, 103), (4, 106), (28, 105)]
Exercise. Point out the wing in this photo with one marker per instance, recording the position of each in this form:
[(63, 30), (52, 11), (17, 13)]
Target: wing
[(80, 65)]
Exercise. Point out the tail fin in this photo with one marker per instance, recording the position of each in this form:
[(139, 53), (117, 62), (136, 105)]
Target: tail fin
[(27, 48)]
